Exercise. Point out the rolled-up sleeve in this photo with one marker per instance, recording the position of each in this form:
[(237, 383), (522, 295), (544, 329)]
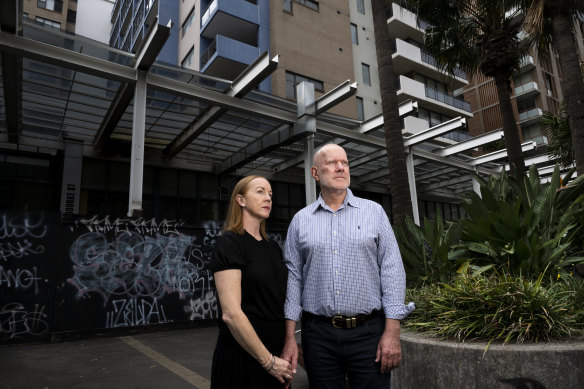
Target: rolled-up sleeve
[(293, 260), (393, 275)]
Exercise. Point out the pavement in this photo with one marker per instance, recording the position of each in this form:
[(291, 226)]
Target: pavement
[(178, 359)]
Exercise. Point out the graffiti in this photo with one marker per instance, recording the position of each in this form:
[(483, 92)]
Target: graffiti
[(19, 249), (136, 266), (203, 307), (134, 312), (16, 321), (22, 226), (20, 278), (119, 225)]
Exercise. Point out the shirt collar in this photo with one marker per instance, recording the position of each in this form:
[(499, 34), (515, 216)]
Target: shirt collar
[(350, 199)]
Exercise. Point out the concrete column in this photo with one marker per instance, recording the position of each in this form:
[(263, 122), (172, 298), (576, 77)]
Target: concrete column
[(72, 169), (137, 157), (412, 184), (307, 123)]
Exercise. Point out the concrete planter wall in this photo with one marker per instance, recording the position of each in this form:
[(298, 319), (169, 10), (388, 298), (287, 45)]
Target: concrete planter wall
[(433, 363)]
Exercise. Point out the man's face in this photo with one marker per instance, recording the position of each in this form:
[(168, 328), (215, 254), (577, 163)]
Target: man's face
[(331, 168)]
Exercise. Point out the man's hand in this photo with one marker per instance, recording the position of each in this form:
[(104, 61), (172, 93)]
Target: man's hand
[(290, 350), (389, 347)]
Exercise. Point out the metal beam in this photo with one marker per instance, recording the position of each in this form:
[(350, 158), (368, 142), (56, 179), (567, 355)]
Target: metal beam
[(58, 56), (283, 135), (495, 155), (120, 102), (255, 73), (470, 144), (434, 132), (533, 161), (334, 96), (151, 46), (250, 77), (440, 184), (450, 161)]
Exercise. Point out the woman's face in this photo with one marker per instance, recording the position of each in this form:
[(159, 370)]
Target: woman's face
[(257, 199)]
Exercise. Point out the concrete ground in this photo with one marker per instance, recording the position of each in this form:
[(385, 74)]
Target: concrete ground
[(178, 359)]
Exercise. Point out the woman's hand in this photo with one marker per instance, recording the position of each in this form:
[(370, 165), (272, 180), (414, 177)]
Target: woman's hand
[(280, 369)]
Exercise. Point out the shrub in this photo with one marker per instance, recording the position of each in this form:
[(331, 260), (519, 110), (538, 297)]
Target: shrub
[(499, 307)]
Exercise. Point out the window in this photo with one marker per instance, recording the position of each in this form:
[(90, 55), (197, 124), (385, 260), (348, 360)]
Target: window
[(51, 5), (309, 3), (354, 35), (366, 75), (293, 79), (361, 6), (188, 60), (47, 22), (549, 84), (188, 22), (287, 5), (71, 16), (360, 110)]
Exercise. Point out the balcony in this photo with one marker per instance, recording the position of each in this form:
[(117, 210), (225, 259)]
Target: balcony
[(526, 90), (227, 58), (236, 19), (407, 58), (530, 116), (404, 24), (431, 98), (526, 64)]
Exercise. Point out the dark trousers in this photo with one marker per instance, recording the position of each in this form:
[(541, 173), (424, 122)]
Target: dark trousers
[(332, 353)]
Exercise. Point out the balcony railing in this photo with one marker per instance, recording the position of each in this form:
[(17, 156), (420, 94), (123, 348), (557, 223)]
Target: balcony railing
[(209, 53), (447, 99), (528, 86), (431, 60), (530, 114), (208, 12)]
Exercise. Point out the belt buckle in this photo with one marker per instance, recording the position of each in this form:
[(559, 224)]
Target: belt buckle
[(339, 317), (349, 322)]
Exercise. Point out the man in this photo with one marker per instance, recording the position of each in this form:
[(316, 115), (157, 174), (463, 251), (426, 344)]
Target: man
[(346, 281)]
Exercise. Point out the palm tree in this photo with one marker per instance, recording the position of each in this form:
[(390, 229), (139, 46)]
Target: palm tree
[(480, 35), (401, 202), (560, 136), (552, 22)]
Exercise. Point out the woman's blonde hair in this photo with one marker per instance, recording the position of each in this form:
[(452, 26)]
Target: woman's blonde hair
[(234, 219)]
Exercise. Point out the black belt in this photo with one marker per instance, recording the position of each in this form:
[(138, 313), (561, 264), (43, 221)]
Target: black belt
[(340, 321)]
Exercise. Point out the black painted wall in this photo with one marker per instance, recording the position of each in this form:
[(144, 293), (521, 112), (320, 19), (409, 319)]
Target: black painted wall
[(102, 273)]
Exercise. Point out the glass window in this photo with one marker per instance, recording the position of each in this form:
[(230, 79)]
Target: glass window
[(71, 16), (47, 22), (361, 6), (366, 75), (309, 3), (168, 182), (188, 22), (287, 5), (188, 60), (294, 79), (354, 35), (360, 110), (51, 5)]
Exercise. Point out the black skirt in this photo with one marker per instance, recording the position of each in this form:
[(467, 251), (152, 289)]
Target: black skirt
[(234, 368)]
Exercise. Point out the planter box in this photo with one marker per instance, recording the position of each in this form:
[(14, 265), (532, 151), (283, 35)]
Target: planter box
[(433, 363)]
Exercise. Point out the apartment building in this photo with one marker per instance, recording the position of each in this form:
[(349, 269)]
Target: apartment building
[(59, 14), (536, 88)]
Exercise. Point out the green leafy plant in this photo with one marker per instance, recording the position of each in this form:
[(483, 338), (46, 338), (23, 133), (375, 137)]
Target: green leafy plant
[(425, 250), (498, 307), (522, 226)]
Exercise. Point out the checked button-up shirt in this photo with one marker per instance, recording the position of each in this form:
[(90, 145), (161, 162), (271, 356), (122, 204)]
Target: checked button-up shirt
[(344, 262)]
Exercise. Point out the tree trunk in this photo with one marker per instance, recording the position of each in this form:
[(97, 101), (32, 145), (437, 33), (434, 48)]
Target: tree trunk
[(401, 203), (510, 130), (572, 84)]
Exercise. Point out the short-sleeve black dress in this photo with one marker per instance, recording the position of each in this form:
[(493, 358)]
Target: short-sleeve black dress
[(263, 290)]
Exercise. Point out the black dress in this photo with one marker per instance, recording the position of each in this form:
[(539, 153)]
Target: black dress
[(263, 290)]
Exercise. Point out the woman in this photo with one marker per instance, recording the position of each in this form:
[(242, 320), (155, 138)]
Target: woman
[(251, 278)]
